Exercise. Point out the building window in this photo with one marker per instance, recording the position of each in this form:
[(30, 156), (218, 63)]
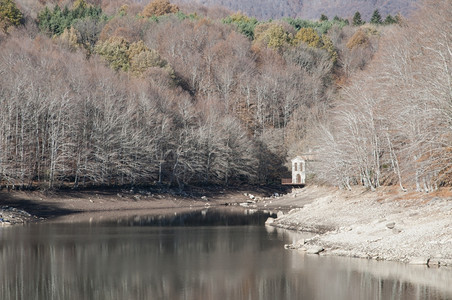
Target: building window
[(295, 167)]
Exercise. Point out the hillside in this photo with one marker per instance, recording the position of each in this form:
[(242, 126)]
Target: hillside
[(312, 9), (96, 95)]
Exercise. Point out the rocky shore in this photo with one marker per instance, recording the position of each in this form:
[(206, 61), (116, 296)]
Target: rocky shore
[(21, 207), (13, 216), (384, 225)]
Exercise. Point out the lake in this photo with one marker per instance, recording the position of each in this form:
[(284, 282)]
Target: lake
[(205, 254)]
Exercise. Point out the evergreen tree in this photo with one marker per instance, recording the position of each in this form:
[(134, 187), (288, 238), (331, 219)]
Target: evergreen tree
[(323, 18), (10, 15), (340, 20), (390, 20), (357, 19), (376, 17), (245, 24), (57, 20)]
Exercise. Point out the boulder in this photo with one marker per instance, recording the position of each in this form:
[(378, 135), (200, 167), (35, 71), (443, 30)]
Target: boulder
[(390, 225), (434, 262), (445, 262), (419, 261), (299, 244), (290, 246), (314, 250), (279, 214), (269, 221)]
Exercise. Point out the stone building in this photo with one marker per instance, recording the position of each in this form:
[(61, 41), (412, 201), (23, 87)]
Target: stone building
[(298, 172)]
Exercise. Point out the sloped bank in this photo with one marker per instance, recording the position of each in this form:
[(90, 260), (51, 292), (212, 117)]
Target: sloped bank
[(23, 207), (383, 225)]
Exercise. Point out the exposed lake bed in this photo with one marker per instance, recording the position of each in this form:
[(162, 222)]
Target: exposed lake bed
[(382, 225), (414, 228)]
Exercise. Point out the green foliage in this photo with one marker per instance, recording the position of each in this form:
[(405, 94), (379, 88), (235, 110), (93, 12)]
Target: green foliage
[(311, 38), (245, 25), (179, 14), (376, 18), (182, 16), (323, 18), (141, 58), (357, 21), (10, 15), (88, 31), (272, 35), (125, 56), (320, 27), (329, 47), (340, 20), (115, 52), (56, 21), (390, 20)]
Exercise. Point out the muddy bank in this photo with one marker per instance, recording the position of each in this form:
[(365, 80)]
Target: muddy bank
[(20, 207), (383, 225)]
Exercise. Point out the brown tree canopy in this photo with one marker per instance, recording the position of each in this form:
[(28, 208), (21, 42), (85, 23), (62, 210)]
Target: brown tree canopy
[(159, 8)]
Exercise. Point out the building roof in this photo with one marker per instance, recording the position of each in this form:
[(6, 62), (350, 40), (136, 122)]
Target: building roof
[(297, 158)]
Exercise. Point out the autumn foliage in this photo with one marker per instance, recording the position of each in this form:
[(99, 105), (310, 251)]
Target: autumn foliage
[(180, 98), (159, 8), (393, 122)]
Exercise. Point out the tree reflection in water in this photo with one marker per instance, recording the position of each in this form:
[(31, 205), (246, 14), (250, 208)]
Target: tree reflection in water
[(110, 261)]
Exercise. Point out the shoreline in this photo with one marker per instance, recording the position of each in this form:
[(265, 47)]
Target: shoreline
[(387, 224), (24, 207)]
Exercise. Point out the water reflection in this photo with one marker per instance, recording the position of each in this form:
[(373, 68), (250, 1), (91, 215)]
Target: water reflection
[(226, 216), (86, 261)]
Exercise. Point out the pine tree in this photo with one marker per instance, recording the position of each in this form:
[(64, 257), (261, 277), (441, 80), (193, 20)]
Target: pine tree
[(357, 19), (376, 17), (390, 20), (10, 15), (323, 18)]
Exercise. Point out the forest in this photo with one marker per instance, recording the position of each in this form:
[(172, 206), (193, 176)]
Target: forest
[(310, 9), (102, 93)]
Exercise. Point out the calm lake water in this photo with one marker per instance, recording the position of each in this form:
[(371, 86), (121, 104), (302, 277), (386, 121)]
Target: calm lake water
[(199, 255)]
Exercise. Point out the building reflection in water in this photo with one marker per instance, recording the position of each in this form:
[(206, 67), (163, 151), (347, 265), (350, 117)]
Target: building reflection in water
[(105, 261)]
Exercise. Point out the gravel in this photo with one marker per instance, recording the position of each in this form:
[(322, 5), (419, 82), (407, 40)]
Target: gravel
[(382, 225)]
